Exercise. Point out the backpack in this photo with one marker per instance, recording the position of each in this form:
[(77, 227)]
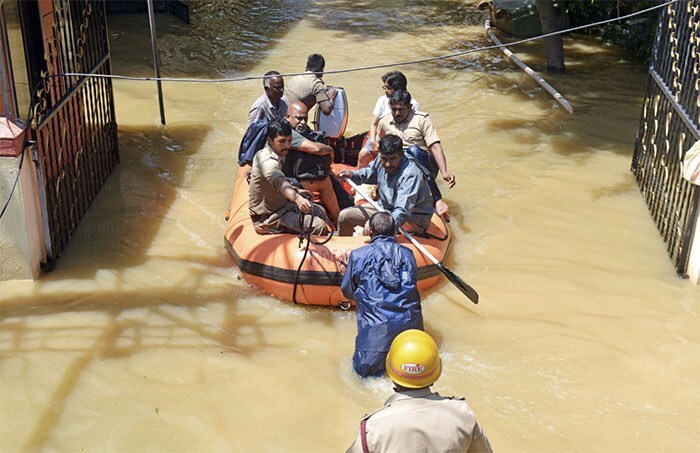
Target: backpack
[(253, 141), (301, 165)]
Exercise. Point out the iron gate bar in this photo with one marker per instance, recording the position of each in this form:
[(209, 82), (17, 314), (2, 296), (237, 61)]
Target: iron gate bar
[(669, 126), (74, 123), (67, 98)]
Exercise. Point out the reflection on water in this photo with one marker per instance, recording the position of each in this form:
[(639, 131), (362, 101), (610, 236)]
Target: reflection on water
[(144, 339), (372, 19), (227, 37)]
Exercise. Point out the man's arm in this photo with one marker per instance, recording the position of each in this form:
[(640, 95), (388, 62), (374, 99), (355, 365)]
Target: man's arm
[(271, 171), (374, 142), (441, 207), (348, 285), (325, 96), (328, 104), (302, 198), (439, 155), (317, 148), (367, 175), (435, 147), (254, 114), (382, 125)]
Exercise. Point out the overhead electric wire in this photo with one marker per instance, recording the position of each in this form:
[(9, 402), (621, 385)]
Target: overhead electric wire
[(371, 67), (339, 71)]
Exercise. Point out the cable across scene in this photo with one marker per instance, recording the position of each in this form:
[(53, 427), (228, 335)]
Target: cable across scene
[(341, 71), (371, 67)]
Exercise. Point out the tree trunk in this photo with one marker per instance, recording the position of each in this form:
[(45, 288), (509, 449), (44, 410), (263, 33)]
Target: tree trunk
[(554, 45)]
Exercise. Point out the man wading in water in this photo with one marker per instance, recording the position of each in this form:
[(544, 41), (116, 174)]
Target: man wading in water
[(381, 279)]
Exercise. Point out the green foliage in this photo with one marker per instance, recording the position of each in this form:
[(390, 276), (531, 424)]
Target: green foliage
[(636, 34)]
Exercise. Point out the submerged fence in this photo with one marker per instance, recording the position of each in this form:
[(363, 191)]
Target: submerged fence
[(73, 122), (669, 126)]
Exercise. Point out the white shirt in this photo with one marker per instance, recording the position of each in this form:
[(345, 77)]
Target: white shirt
[(382, 106)]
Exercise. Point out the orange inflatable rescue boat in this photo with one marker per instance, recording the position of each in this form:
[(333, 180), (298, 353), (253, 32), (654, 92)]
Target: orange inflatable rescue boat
[(289, 268)]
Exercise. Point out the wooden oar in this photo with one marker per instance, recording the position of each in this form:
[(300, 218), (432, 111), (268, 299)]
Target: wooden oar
[(451, 276)]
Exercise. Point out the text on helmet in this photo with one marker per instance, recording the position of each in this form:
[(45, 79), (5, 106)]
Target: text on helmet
[(412, 368)]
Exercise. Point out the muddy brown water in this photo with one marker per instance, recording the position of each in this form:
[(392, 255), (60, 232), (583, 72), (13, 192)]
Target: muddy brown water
[(144, 338)]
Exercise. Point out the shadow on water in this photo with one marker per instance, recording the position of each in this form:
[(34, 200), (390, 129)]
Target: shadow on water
[(118, 336), (163, 323), (592, 84), (176, 321), (224, 37), (373, 19), (119, 227)]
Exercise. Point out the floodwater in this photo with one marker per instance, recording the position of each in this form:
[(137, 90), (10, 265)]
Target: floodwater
[(144, 338)]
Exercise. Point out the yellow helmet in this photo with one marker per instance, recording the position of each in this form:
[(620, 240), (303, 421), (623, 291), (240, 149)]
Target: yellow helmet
[(413, 360)]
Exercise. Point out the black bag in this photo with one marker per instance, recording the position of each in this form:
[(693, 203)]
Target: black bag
[(301, 165)]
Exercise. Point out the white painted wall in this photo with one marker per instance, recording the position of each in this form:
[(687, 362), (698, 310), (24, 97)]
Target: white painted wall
[(694, 261), (21, 244)]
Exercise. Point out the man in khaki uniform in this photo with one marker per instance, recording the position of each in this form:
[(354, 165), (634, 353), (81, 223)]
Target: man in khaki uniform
[(309, 150), (420, 141), (310, 89), (415, 419), (275, 205)]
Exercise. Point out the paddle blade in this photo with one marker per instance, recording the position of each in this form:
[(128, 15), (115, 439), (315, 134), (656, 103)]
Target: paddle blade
[(460, 284)]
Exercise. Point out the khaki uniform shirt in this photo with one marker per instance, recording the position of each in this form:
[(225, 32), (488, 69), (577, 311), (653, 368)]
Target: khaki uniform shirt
[(417, 129), (306, 88), (265, 178), (422, 421)]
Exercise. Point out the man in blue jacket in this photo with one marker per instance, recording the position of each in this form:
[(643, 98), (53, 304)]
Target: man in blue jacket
[(381, 279), (402, 188)]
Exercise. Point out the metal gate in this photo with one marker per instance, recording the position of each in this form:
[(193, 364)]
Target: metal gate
[(73, 122), (669, 126)]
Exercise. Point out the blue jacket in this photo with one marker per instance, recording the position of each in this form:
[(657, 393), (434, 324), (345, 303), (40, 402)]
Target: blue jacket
[(406, 194), (253, 141), (381, 279)]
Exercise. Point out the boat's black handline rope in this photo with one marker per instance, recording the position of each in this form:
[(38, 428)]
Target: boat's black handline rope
[(366, 68), (306, 252), (307, 235)]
